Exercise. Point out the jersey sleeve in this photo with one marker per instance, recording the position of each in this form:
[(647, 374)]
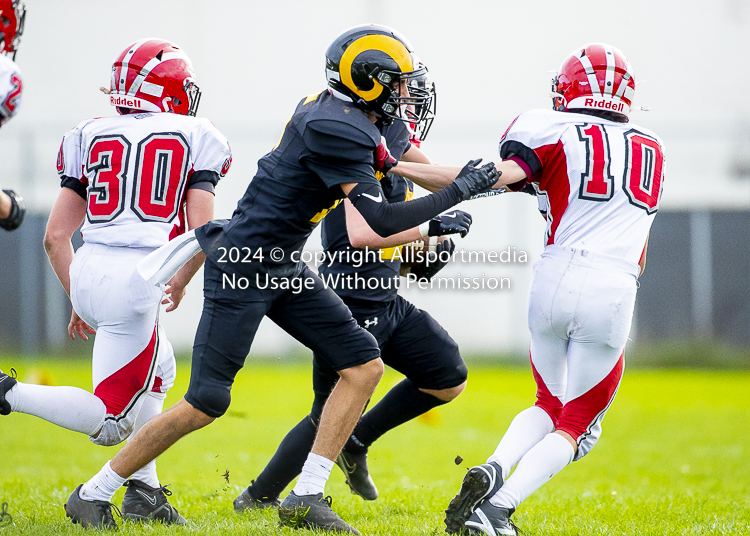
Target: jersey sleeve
[(397, 139), (523, 141), (70, 161), (338, 152), (212, 151)]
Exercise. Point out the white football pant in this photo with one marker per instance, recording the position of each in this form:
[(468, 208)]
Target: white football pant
[(580, 312), (132, 355)]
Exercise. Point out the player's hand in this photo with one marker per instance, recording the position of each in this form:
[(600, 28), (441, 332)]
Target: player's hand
[(454, 222), (435, 261), (174, 294), (472, 180), (384, 161), (79, 326)]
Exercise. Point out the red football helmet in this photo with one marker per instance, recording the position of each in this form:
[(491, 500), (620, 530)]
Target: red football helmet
[(155, 76), (12, 17), (595, 77)]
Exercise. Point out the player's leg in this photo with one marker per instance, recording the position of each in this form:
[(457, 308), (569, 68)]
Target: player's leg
[(226, 330), (421, 350), (291, 454), (319, 319), (145, 498), (598, 329), (414, 344), (548, 351)]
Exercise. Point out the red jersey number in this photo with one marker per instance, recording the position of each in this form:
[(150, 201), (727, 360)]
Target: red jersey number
[(107, 162), (12, 98), (644, 165), (643, 174), (161, 167)]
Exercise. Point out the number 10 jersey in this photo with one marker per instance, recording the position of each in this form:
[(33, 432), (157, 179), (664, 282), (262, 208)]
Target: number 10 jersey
[(603, 179), (134, 172)]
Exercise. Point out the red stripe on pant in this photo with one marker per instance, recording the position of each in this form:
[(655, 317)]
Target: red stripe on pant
[(577, 415), (580, 413), (544, 399), (118, 390)]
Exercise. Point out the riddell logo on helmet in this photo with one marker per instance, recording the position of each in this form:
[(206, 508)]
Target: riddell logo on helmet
[(605, 104), (127, 102)]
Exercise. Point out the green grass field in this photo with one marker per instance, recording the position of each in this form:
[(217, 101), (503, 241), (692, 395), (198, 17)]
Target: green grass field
[(674, 458)]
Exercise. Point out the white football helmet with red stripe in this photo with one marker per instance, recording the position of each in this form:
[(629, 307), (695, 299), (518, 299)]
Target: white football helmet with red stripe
[(154, 75), (12, 17), (594, 77)]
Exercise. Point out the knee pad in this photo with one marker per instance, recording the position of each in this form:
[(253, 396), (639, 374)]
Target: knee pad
[(113, 432), (213, 400)]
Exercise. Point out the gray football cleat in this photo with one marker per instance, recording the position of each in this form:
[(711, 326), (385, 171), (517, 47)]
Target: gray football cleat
[(491, 520), (144, 503), (7, 382), (357, 475), (245, 501), (481, 482), (90, 514), (312, 512)]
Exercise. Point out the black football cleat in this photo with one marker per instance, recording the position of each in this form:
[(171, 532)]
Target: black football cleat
[(312, 512), (144, 503), (357, 475), (491, 520), (90, 514), (245, 501), (7, 382), (481, 482)]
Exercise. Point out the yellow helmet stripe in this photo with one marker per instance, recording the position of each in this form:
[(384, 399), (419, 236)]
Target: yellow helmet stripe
[(393, 47)]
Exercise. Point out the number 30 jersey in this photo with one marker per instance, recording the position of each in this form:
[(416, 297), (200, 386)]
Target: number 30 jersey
[(134, 172), (603, 179)]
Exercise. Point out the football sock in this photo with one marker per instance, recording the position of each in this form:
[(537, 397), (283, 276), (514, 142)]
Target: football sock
[(69, 407), (401, 404), (536, 468), (315, 473), (286, 463), (526, 430), (103, 486), (152, 406)]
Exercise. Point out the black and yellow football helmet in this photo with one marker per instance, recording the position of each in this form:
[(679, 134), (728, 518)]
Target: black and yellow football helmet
[(369, 65)]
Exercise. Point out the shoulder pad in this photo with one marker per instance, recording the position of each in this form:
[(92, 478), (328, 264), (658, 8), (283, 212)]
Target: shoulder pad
[(330, 125)]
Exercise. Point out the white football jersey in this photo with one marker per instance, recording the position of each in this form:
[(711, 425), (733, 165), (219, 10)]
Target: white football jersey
[(136, 169), (602, 179), (11, 88)]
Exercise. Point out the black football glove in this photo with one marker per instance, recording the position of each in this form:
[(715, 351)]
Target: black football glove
[(383, 160), (473, 180), (455, 222), (434, 262), (17, 212)]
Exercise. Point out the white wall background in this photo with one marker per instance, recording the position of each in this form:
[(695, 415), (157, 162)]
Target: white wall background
[(490, 60)]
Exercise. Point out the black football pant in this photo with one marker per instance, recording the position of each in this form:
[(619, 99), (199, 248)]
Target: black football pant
[(315, 316)]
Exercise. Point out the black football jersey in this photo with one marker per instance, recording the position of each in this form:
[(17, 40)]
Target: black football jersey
[(377, 273), (327, 142)]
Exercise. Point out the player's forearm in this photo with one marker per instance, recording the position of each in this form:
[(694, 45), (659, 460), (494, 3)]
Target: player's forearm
[(5, 205), (429, 176), (60, 254), (374, 241), (186, 273), (362, 236)]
